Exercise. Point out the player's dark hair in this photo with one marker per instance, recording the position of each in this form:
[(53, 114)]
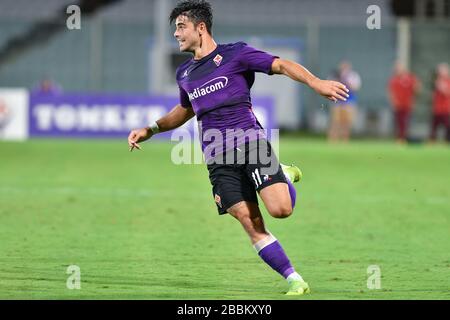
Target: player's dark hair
[(196, 10)]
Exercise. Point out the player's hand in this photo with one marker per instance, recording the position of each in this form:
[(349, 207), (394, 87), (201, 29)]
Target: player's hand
[(138, 135), (332, 90)]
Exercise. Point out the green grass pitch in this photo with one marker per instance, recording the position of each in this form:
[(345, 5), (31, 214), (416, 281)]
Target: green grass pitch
[(140, 227)]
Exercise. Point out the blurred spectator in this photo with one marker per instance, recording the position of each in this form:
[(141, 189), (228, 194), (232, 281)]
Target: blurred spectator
[(47, 86), (343, 112), (441, 102), (403, 86)]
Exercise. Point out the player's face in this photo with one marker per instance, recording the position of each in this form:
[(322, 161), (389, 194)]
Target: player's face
[(187, 34)]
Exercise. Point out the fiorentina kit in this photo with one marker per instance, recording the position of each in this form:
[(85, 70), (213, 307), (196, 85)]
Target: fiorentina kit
[(217, 88)]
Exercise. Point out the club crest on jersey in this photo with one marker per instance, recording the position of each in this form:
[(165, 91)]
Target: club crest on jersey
[(217, 60), (218, 200)]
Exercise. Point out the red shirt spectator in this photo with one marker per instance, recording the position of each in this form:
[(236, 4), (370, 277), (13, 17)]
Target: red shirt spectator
[(441, 102), (402, 89), (403, 86), (441, 96)]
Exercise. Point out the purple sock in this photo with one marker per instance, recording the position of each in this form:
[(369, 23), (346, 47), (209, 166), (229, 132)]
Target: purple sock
[(274, 255), (292, 192)]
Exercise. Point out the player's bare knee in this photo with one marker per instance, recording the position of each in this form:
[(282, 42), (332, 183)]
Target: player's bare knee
[(281, 212)]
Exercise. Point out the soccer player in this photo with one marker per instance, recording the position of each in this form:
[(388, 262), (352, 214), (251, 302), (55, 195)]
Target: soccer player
[(215, 86)]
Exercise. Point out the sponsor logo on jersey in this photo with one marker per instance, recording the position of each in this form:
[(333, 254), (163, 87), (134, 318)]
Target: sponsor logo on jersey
[(208, 87)]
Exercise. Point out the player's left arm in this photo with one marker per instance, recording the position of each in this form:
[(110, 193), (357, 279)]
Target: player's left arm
[(332, 90)]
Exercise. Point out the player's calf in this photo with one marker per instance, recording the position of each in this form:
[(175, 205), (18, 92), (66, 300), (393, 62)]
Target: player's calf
[(267, 246), (249, 215)]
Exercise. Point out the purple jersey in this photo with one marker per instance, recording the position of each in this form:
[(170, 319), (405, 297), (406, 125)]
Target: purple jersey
[(217, 87)]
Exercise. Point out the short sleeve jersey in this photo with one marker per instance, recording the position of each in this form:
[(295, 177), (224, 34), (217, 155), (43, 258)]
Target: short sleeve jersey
[(218, 85)]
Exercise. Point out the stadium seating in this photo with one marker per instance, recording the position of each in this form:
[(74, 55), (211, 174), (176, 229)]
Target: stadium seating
[(111, 52), (126, 27), (31, 10)]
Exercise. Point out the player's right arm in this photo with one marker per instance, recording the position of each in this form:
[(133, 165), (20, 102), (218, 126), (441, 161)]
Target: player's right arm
[(172, 120)]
